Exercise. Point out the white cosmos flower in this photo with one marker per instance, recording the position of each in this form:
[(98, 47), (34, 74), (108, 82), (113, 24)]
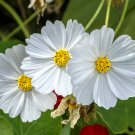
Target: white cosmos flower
[(49, 53), (103, 70), (17, 95)]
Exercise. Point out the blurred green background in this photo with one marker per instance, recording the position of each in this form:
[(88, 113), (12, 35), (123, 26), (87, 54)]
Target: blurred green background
[(119, 120)]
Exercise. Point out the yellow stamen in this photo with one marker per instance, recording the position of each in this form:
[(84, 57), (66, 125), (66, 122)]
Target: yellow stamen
[(61, 57), (24, 83), (103, 64)]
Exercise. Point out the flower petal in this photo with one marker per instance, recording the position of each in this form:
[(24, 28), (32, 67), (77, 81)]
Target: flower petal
[(38, 48), (84, 91), (12, 102), (44, 101), (102, 94), (55, 34), (63, 84), (43, 80), (29, 110), (101, 40), (121, 85), (74, 33), (122, 49)]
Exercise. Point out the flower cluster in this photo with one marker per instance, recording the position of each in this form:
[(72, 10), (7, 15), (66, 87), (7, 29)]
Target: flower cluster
[(90, 66)]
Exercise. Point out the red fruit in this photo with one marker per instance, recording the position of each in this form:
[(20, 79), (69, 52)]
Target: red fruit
[(59, 98), (94, 130)]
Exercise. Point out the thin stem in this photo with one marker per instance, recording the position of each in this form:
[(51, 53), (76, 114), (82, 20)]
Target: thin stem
[(122, 16), (25, 22), (21, 130), (108, 12), (95, 15), (15, 16)]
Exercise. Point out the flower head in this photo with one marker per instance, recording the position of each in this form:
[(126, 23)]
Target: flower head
[(18, 96), (49, 54), (102, 69)]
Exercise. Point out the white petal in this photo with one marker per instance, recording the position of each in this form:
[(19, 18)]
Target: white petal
[(126, 67), (74, 33), (83, 51), (7, 88), (107, 36), (44, 80), (63, 84), (44, 101), (80, 71), (122, 49), (12, 103), (32, 65), (121, 85), (102, 94), (8, 68), (84, 91), (17, 53), (55, 34), (38, 48), (101, 40), (29, 111)]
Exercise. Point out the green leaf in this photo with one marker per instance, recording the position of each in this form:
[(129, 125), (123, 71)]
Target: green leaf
[(118, 119), (66, 130), (84, 10), (45, 125), (5, 127), (129, 25), (8, 44)]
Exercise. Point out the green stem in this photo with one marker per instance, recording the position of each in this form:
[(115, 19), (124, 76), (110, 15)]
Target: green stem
[(25, 22), (15, 16), (122, 16), (95, 15), (108, 12)]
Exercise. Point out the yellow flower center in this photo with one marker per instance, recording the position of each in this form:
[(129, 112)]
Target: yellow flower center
[(24, 83), (61, 57), (103, 64)]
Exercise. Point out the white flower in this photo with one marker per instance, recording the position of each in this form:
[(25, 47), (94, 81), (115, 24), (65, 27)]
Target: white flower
[(103, 70), (49, 54), (17, 95)]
